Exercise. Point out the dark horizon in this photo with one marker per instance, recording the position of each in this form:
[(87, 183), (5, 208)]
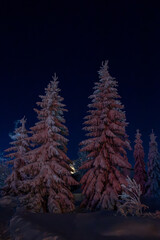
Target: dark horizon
[(72, 39)]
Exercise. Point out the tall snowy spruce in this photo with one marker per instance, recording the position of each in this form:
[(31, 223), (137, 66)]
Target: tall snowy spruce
[(106, 145), (153, 183), (48, 188), (20, 146), (139, 167)]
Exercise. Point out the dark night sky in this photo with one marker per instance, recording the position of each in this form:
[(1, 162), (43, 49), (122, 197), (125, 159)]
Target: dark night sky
[(72, 38)]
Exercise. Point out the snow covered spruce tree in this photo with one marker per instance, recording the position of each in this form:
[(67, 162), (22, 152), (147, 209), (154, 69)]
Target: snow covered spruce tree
[(48, 188), (20, 146), (153, 182), (139, 167), (106, 144)]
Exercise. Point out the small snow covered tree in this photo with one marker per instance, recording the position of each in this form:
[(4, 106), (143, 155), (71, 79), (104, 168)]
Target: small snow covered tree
[(20, 145), (82, 156), (131, 199), (153, 173), (106, 145), (4, 170), (48, 188), (139, 168)]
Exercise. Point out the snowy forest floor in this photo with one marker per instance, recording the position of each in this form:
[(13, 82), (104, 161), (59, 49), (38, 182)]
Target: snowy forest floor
[(75, 226), (5, 215)]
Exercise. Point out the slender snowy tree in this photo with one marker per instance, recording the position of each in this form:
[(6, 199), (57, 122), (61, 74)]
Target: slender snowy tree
[(48, 188), (153, 183), (20, 145), (79, 161), (139, 168), (106, 144), (4, 170)]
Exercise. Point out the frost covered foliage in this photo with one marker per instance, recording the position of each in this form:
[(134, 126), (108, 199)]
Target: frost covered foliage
[(48, 186), (4, 170), (20, 146), (155, 215), (153, 182), (105, 145), (130, 199), (82, 156), (139, 168)]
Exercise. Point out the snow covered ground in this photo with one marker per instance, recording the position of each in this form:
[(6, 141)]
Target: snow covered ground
[(75, 226), (97, 225), (6, 214)]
